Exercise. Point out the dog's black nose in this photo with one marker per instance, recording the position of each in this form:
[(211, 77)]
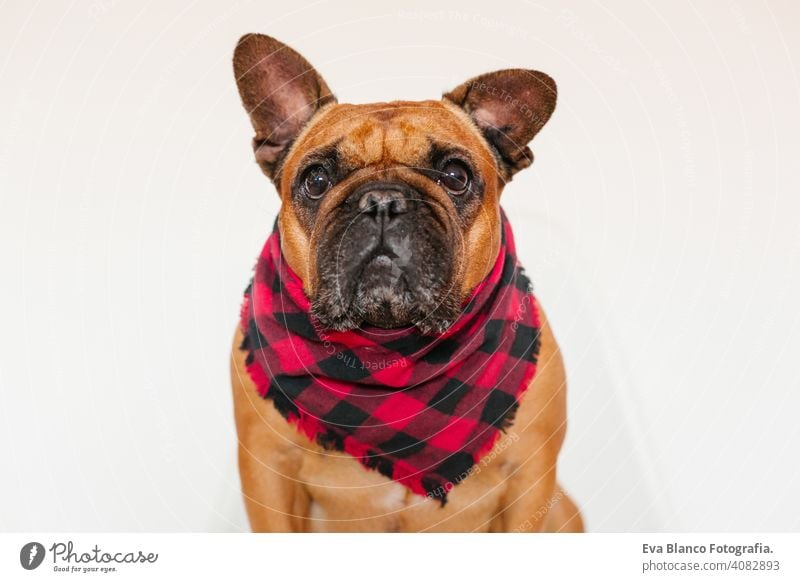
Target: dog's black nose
[(383, 204)]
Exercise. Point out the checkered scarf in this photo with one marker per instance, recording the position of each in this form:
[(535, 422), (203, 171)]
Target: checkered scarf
[(421, 410)]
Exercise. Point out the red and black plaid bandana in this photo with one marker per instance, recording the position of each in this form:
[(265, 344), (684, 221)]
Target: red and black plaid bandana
[(420, 409)]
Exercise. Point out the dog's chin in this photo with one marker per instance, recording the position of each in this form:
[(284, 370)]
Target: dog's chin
[(384, 297), (385, 306)]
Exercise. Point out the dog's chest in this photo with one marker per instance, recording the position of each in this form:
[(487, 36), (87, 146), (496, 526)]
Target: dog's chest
[(344, 496)]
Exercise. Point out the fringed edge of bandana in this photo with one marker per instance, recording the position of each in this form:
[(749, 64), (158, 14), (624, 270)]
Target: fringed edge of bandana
[(414, 479)]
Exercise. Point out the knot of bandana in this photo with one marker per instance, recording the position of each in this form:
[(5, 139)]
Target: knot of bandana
[(420, 409)]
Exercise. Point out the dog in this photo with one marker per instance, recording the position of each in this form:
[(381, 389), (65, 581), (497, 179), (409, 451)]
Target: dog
[(390, 218)]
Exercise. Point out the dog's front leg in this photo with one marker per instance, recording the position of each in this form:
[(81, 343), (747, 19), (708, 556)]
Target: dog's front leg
[(529, 496), (275, 502), (541, 506), (269, 459), (533, 501)]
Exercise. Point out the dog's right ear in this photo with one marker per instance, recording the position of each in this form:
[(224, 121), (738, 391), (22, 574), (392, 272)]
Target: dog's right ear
[(509, 107), (280, 90)]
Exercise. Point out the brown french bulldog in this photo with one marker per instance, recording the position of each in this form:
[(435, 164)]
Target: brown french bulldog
[(318, 153)]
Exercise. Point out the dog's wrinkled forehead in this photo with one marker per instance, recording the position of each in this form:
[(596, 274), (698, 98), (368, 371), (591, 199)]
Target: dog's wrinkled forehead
[(291, 106), (386, 135)]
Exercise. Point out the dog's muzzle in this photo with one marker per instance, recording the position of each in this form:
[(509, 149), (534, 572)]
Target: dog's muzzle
[(386, 261)]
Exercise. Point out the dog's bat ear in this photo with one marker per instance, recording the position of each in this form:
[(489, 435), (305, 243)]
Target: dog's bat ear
[(509, 107), (280, 90)]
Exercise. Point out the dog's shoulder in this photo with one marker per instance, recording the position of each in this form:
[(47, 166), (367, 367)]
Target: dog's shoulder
[(541, 418)]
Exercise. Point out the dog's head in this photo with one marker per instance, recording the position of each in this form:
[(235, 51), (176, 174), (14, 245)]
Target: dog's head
[(390, 211)]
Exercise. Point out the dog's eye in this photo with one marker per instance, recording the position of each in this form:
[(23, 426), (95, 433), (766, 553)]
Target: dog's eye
[(455, 177), (316, 182)]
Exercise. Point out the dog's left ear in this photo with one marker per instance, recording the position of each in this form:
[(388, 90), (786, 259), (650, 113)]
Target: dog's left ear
[(280, 90), (509, 107)]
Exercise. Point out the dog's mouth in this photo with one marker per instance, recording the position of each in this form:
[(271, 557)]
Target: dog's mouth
[(383, 293), (387, 271)]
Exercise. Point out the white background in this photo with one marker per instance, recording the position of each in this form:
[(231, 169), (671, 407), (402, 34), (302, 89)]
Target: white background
[(659, 224)]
